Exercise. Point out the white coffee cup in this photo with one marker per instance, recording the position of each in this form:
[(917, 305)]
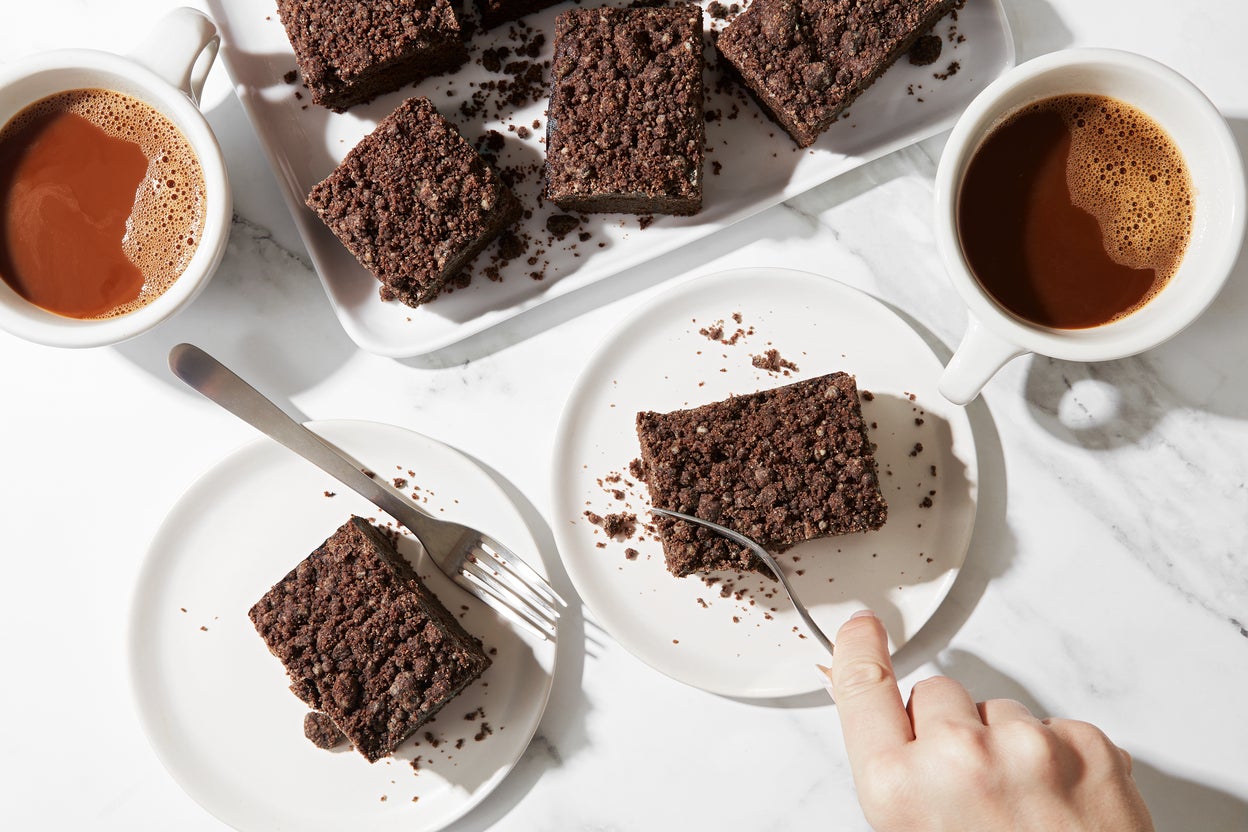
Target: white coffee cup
[(994, 336), (166, 71)]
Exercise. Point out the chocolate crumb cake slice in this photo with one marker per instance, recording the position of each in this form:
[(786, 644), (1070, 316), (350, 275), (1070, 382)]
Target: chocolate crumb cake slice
[(414, 202), (780, 466), (364, 641), (805, 61), (626, 126), (351, 51)]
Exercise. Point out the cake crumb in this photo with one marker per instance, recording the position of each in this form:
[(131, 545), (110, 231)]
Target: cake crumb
[(926, 50), (773, 362), (622, 524)]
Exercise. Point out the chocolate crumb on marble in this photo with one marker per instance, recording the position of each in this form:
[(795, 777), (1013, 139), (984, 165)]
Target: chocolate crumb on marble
[(414, 203), (351, 52), (781, 466), (806, 61), (625, 128), (364, 641)]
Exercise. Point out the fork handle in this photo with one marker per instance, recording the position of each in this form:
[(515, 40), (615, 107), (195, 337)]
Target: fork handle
[(217, 382)]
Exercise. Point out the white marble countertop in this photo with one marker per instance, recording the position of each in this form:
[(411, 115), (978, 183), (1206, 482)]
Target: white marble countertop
[(1107, 579)]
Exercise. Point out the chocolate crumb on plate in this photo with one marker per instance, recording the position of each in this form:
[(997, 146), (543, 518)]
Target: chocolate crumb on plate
[(926, 50), (561, 224), (623, 524), (773, 362), (322, 731)]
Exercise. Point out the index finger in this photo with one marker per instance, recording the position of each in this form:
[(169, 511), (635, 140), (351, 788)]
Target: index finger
[(873, 717)]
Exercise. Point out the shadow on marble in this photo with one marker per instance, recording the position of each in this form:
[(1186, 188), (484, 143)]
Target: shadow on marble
[(1115, 403), (595, 637), (1038, 28), (561, 733), (264, 315), (1176, 803), (259, 199)]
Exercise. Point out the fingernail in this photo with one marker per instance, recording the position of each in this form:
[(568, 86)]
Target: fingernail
[(864, 614), (825, 678)]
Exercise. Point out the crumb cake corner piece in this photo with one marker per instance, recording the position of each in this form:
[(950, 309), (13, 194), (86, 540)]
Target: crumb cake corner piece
[(414, 202), (350, 52), (364, 642), (626, 127), (781, 466), (805, 61)]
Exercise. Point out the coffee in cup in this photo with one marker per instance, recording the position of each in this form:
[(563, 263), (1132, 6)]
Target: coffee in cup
[(1166, 268), (102, 203), (156, 255), (1075, 211)]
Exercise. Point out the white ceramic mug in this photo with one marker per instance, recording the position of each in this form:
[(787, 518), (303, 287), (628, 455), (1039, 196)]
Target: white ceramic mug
[(994, 336), (166, 71)]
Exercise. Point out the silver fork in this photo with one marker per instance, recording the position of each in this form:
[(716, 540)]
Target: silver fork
[(473, 560), (770, 562)]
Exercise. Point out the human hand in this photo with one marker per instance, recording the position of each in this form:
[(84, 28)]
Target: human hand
[(945, 762)]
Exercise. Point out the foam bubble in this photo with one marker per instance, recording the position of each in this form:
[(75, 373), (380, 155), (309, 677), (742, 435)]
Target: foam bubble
[(1126, 171), (157, 227)]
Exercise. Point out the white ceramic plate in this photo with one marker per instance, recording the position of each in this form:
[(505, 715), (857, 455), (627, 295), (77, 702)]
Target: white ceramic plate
[(215, 702), (752, 645), (760, 165)]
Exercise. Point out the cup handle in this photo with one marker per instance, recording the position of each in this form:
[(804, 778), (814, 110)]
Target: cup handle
[(978, 358), (174, 47)]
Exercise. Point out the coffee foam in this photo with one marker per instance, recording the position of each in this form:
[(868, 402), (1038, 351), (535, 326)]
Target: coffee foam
[(169, 210), (1126, 171)]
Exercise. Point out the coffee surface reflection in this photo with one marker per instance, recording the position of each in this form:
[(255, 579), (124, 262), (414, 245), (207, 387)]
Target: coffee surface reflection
[(102, 203)]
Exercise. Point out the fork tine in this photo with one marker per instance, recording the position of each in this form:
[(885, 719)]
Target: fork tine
[(514, 582), (482, 593), (528, 574), (537, 615)]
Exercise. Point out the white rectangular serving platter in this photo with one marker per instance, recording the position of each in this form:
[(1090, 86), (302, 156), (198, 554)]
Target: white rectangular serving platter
[(758, 164)]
